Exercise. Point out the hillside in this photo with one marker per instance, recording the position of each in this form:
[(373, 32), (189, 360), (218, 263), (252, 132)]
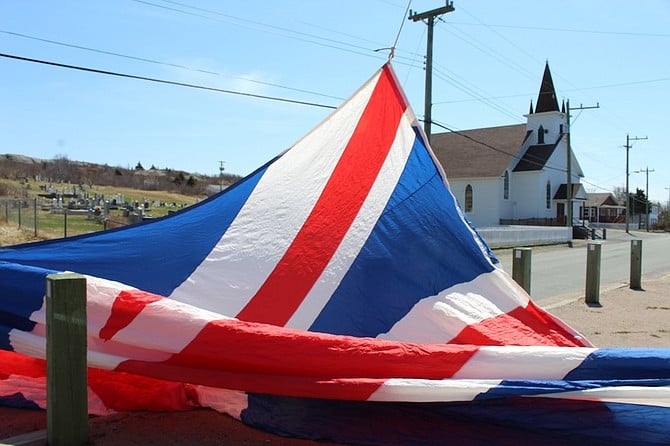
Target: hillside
[(61, 170), (41, 199)]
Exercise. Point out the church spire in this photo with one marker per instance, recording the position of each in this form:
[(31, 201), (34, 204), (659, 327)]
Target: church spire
[(546, 100), (530, 112)]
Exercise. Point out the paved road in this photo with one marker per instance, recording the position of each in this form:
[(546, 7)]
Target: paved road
[(561, 270)]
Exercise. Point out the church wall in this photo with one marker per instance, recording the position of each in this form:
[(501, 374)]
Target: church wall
[(487, 196), (550, 121), (527, 191)]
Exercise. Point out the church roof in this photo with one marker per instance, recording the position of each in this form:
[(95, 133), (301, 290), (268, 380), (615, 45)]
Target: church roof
[(601, 199), (535, 158), (546, 100), (478, 153), (578, 192)]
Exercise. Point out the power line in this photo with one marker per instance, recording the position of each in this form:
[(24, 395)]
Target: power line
[(289, 33), (569, 30), (370, 52), (476, 99), (593, 87), (628, 146), (219, 90), (471, 91), (596, 186), (286, 32), (265, 25), (163, 81), (429, 18), (646, 190), (459, 84), (530, 158), (110, 53), (532, 57), (157, 62), (485, 48), (502, 36), (453, 81)]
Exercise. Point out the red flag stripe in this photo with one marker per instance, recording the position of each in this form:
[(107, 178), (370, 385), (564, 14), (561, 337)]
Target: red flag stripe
[(126, 307), (262, 358), (522, 326), (335, 210)]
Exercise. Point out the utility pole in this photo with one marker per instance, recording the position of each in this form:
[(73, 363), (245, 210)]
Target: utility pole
[(568, 184), (221, 169), (430, 16), (646, 191), (628, 146)]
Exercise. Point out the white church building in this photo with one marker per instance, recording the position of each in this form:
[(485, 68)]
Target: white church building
[(515, 174)]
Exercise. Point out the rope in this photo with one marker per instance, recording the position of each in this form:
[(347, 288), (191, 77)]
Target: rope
[(397, 37)]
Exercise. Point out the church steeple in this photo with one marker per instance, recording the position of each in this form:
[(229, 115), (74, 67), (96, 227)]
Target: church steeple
[(546, 100), (530, 112)]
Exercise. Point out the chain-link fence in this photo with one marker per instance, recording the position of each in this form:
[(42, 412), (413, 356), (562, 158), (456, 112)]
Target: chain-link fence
[(47, 220), (22, 212)]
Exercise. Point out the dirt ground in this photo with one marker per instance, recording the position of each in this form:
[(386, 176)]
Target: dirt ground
[(196, 427), (625, 317)]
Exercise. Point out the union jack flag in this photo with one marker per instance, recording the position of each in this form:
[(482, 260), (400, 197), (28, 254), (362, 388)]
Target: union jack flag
[(339, 293)]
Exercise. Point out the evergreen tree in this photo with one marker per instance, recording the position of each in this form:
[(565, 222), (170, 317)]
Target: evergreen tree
[(638, 203)]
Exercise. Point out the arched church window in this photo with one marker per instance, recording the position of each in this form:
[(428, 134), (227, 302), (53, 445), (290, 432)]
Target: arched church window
[(468, 198), (506, 185), (548, 195)]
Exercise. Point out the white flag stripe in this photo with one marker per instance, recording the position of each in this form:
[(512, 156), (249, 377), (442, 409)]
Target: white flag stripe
[(647, 396), (153, 328), (440, 318), (263, 230), (522, 362), (417, 390), (361, 227)]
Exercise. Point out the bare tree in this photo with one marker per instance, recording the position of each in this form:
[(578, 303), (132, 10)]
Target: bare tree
[(61, 168)]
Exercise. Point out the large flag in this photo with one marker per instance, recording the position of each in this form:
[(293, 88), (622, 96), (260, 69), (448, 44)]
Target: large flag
[(336, 293)]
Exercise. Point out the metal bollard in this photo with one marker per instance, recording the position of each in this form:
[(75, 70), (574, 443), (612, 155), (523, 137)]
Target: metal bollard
[(636, 264), (67, 386), (592, 296), (521, 267)]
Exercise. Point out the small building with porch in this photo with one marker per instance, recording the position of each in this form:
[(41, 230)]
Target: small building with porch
[(602, 208)]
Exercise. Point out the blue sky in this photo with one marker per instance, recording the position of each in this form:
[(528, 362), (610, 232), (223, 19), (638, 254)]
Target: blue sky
[(488, 56)]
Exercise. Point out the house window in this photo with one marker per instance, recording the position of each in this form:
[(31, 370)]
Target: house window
[(540, 135), (468, 198), (506, 185), (548, 195)]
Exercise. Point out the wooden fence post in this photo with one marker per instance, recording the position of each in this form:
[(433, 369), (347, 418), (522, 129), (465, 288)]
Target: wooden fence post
[(521, 267), (35, 215), (592, 295), (635, 264), (67, 400)]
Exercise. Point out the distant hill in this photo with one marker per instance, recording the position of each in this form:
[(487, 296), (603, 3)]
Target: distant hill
[(63, 170)]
